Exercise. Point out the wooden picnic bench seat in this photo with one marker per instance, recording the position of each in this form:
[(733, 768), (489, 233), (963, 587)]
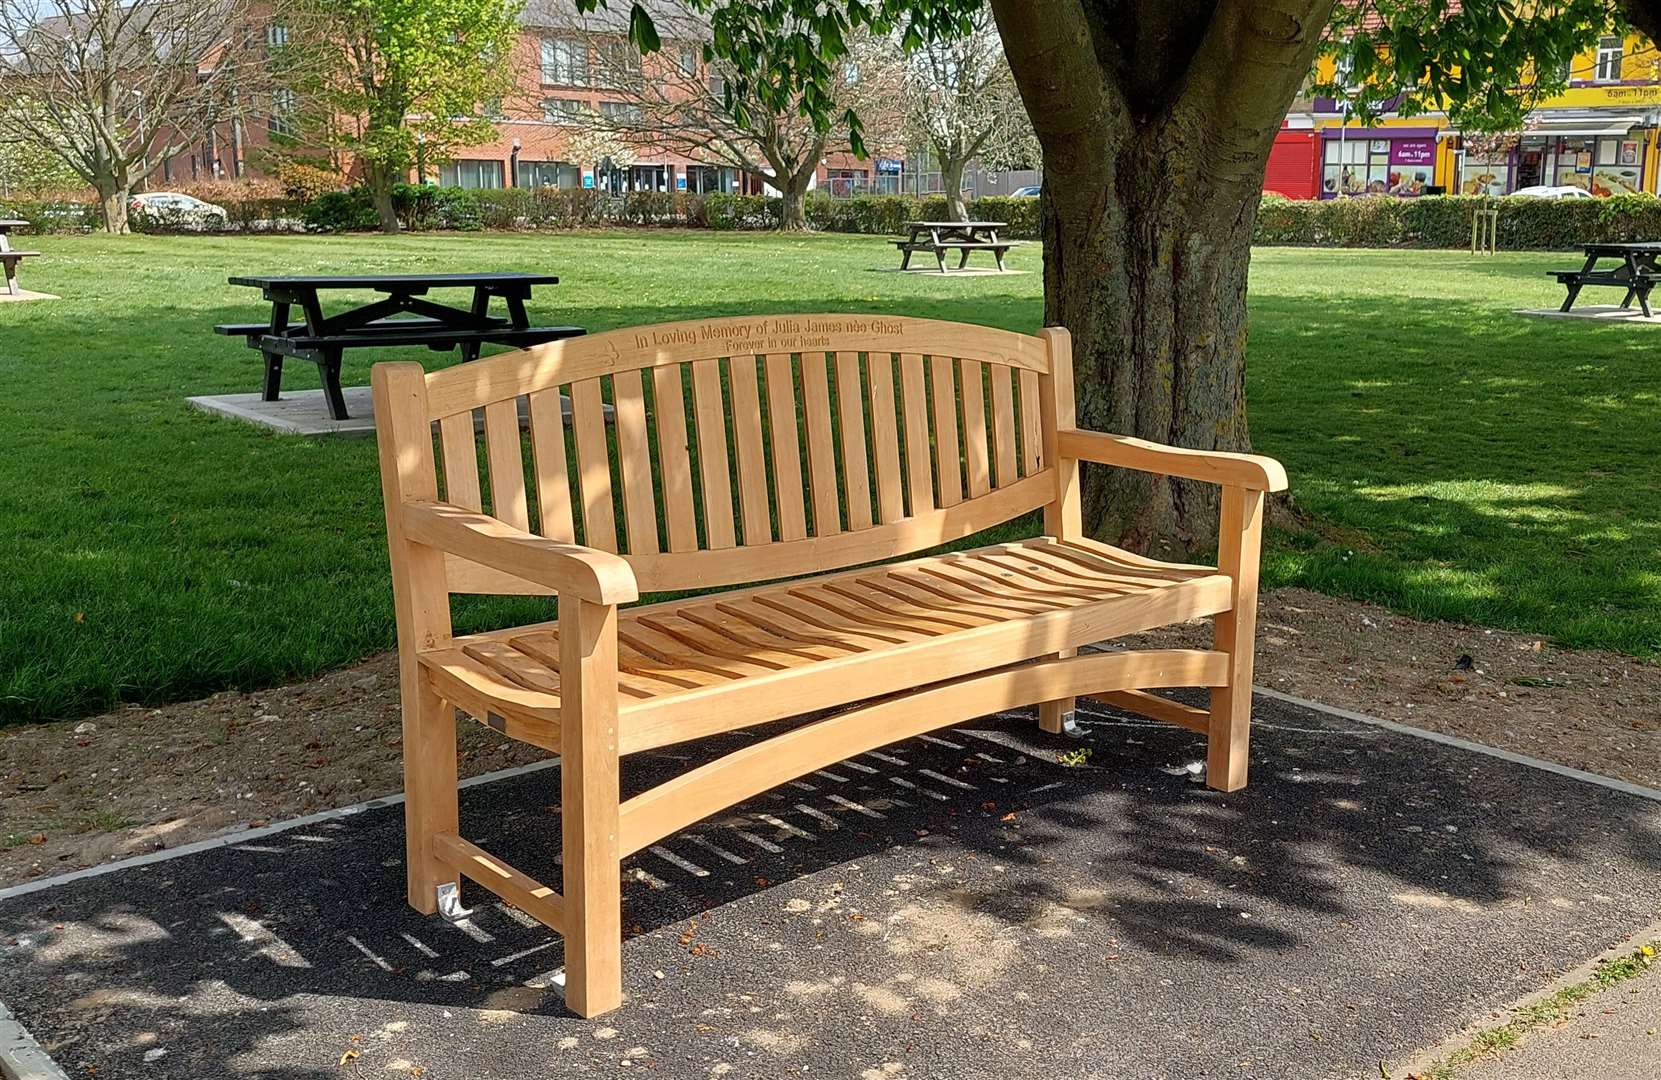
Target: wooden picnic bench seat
[(998, 248), (770, 448), (9, 259)]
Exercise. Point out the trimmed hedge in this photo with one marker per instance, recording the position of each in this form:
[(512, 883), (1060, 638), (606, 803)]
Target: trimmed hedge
[(1365, 221), (1445, 221)]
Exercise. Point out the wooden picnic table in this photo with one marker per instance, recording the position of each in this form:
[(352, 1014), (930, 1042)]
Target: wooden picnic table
[(962, 237), (10, 257), (404, 317), (1637, 270)]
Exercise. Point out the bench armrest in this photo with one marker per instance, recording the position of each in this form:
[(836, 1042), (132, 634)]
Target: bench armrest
[(1251, 471), (599, 577)]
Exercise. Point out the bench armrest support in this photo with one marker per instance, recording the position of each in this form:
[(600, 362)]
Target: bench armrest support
[(1250, 471), (600, 577)]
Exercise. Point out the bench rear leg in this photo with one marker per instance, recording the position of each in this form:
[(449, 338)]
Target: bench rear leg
[(1568, 301), (593, 885), (1229, 741), (12, 286), (430, 803), (1056, 717)]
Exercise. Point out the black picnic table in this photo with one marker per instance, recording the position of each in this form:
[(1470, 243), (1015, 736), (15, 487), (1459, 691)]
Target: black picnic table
[(404, 317), (962, 237), (1636, 270)]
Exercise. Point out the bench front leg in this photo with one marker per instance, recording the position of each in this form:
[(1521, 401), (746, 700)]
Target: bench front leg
[(1239, 550), (588, 767), (430, 794)]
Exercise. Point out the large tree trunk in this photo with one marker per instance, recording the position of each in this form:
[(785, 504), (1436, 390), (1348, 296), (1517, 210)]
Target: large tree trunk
[(115, 191), (1154, 293), (1156, 118), (793, 203), (951, 179), (381, 179)]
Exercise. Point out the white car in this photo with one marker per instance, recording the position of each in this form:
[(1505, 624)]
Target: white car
[(1548, 191), (179, 211), (1026, 192)]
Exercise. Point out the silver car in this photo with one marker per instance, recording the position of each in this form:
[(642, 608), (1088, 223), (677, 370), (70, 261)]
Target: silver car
[(177, 210)]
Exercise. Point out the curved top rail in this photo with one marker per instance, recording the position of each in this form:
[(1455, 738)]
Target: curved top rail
[(469, 386)]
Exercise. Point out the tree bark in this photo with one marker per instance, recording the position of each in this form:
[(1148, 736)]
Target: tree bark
[(1155, 296), (381, 180), (1156, 124), (115, 191), (951, 179), (793, 201)]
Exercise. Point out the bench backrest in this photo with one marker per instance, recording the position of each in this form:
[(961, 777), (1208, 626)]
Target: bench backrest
[(745, 449)]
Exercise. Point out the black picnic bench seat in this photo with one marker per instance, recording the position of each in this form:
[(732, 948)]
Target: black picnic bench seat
[(1636, 270)]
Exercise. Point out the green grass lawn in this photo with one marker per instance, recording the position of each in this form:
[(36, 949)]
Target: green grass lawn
[(1456, 461)]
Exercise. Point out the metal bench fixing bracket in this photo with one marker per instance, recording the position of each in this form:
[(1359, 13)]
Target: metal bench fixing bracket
[(449, 903)]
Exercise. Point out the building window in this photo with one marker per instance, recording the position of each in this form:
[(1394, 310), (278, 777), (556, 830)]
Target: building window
[(283, 104), (563, 110), (620, 65), (1358, 166), (471, 173), (1609, 59), (276, 36), (624, 111), (554, 174), (564, 62), (689, 59)]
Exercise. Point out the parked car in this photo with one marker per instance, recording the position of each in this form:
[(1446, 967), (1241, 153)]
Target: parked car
[(1030, 192), (1552, 191), (180, 211)]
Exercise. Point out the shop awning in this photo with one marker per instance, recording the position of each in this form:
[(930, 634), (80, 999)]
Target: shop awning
[(1583, 125)]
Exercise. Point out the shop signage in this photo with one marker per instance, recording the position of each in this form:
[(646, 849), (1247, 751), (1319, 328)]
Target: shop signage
[(1413, 152)]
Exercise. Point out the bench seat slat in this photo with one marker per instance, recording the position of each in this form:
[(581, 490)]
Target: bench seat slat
[(852, 631)]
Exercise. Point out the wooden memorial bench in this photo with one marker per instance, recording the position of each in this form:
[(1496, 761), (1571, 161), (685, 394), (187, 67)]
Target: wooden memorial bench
[(8, 264), (750, 452)]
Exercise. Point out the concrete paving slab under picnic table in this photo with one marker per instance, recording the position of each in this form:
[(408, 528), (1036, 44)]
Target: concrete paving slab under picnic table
[(956, 906)]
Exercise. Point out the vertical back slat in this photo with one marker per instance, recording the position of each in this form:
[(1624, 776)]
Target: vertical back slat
[(787, 448), (588, 422), (634, 460), (915, 407), (971, 392), (553, 481), (885, 437), (711, 413), (506, 456), (948, 468), (1032, 437), (461, 461), (674, 460), (856, 479), (821, 446), (747, 443), (1003, 424)]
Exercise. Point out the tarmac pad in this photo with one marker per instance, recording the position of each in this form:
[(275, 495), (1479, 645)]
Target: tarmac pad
[(962, 905)]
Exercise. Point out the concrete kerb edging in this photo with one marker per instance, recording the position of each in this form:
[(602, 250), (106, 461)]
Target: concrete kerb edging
[(1610, 782), (21, 1058), (1430, 1058)]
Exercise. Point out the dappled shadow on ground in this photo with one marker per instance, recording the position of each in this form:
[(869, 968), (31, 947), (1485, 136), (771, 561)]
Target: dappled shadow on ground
[(275, 957), (1462, 462)]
